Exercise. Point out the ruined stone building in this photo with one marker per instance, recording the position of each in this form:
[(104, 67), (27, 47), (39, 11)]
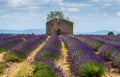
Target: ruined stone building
[(59, 26)]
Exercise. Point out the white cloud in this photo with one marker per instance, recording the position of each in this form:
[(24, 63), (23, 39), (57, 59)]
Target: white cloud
[(73, 6), (107, 4), (118, 13), (105, 14), (95, 0), (74, 17), (16, 3), (13, 15), (73, 9), (44, 2), (18, 15), (76, 4), (109, 0), (27, 8)]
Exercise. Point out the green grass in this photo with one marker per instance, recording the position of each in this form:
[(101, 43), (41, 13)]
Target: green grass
[(96, 46), (14, 57), (1, 50), (2, 67), (91, 69), (108, 53), (44, 70), (116, 59), (49, 54), (25, 71)]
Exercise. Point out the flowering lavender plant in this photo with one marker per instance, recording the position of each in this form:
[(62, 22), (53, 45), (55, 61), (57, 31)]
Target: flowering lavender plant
[(51, 48), (46, 57), (21, 51), (94, 43), (82, 59), (110, 52)]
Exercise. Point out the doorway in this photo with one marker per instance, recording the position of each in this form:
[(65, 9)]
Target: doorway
[(58, 32)]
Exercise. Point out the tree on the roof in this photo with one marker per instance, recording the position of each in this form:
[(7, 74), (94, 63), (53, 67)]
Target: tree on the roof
[(55, 14)]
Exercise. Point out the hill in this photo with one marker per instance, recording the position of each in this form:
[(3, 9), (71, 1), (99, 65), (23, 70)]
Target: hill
[(28, 31)]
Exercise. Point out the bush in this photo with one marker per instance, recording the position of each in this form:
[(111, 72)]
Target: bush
[(91, 69), (13, 57), (110, 33), (1, 50), (25, 71), (49, 54), (1, 68), (116, 61), (42, 69), (118, 34)]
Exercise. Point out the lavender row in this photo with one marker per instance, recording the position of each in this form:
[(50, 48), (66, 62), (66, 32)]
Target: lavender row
[(45, 59), (51, 48), (83, 59), (9, 41), (6, 37), (111, 52), (45, 67), (112, 37), (21, 51), (8, 44), (93, 43), (106, 40)]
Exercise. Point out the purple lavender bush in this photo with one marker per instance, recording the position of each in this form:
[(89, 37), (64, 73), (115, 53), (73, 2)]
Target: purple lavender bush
[(111, 52), (21, 51), (106, 39), (93, 43), (45, 67), (51, 48), (83, 61), (45, 59), (8, 44)]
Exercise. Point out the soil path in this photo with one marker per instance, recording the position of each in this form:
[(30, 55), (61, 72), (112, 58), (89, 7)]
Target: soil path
[(15, 67), (63, 63), (1, 56)]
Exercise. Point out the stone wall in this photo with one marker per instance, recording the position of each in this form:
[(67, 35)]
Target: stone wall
[(65, 26)]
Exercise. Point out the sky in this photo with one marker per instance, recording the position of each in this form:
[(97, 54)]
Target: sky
[(87, 15)]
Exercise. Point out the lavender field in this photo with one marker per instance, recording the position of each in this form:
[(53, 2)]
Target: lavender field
[(59, 56)]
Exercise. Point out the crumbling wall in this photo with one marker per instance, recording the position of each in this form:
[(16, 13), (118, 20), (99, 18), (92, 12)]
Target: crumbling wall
[(65, 26)]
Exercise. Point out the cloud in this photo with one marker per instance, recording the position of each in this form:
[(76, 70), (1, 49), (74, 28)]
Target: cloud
[(73, 9), (118, 13), (19, 15), (95, 0), (16, 3), (27, 8), (68, 4), (13, 15), (107, 4), (73, 6), (105, 14)]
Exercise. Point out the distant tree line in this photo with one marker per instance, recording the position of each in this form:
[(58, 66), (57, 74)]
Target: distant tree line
[(112, 33)]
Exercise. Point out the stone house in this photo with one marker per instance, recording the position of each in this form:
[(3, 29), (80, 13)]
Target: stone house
[(59, 26)]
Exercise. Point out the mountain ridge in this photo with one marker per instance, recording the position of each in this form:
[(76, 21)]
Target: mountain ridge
[(43, 31)]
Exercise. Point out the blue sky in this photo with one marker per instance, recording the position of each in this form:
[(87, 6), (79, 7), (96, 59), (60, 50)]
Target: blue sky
[(87, 15)]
